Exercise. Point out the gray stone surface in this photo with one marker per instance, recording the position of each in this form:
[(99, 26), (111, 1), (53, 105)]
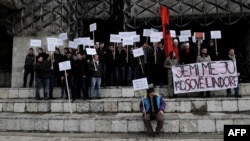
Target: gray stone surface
[(242, 121), (105, 93), (3, 124), (229, 106), (4, 92), (183, 106), (110, 106), (135, 106), (41, 125), (82, 107), (57, 107), (244, 105), (214, 106), (19, 107), (13, 125), (27, 124), (71, 125), (23, 93), (66, 107), (103, 125), (31, 107), (8, 107), (119, 126), (128, 92), (171, 126), (115, 92), (56, 125), (43, 107), (135, 125), (96, 106), (220, 124), (206, 125), (87, 126), (170, 106), (188, 126), (124, 106), (1, 107), (13, 93)]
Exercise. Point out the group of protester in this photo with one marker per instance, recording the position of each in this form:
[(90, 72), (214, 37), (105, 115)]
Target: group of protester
[(114, 66)]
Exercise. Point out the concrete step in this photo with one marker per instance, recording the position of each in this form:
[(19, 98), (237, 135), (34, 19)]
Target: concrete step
[(109, 92), (118, 123), (125, 105), (24, 136)]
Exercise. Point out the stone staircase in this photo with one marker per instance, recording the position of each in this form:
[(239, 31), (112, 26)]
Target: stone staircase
[(118, 113)]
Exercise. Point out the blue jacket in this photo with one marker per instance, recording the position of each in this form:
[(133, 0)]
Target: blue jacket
[(161, 105)]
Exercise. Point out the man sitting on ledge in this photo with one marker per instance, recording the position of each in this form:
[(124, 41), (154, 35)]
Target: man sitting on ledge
[(153, 107)]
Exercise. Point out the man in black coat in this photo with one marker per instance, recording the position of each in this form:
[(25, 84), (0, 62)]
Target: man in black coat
[(28, 68)]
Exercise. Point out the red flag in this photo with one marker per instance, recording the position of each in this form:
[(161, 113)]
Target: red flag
[(165, 28)]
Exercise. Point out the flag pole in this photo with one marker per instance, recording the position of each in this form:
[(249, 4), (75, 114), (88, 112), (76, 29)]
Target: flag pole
[(68, 90)]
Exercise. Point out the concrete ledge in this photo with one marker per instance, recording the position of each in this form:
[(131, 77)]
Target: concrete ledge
[(125, 105), (114, 92), (118, 123)]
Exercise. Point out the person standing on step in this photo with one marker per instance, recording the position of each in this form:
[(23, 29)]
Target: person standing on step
[(231, 56), (204, 57), (168, 64), (95, 67), (153, 107), (102, 52), (28, 68)]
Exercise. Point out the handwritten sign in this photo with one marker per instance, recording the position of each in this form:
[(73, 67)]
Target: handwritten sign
[(186, 33), (183, 39), (173, 33), (205, 76), (59, 42), (78, 41), (85, 40), (124, 34), (215, 34), (63, 36), (140, 84), (35, 43), (156, 36), (92, 27), (72, 45), (136, 38), (52, 44), (91, 51), (127, 41), (138, 52), (115, 38), (147, 32), (64, 66)]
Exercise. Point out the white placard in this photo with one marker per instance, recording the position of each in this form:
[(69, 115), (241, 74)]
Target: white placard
[(59, 42), (154, 30), (35, 43), (138, 52), (90, 43), (115, 38), (85, 40), (64, 66), (173, 33), (51, 42), (63, 36), (147, 32), (136, 38), (91, 51), (183, 38), (216, 34), (128, 41), (78, 41), (132, 33), (124, 35), (140, 84), (160, 34), (92, 27), (156, 37), (72, 45), (186, 33)]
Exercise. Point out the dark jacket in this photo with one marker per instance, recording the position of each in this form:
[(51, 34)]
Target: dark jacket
[(120, 58), (79, 68), (102, 52), (46, 66), (38, 69), (29, 61), (94, 73), (151, 57)]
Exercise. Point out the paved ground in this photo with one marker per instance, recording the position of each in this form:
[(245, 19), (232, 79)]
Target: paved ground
[(18, 136)]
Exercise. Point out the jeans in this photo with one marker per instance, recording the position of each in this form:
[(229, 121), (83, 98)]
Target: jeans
[(236, 90), (45, 82), (95, 81), (131, 74)]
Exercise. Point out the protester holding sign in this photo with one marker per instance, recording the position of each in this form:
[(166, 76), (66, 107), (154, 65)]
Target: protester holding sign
[(111, 65), (28, 68), (186, 57), (176, 48), (120, 62), (102, 52), (96, 76), (57, 57), (154, 109), (204, 57), (212, 51), (169, 63), (131, 67), (196, 50), (232, 56)]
